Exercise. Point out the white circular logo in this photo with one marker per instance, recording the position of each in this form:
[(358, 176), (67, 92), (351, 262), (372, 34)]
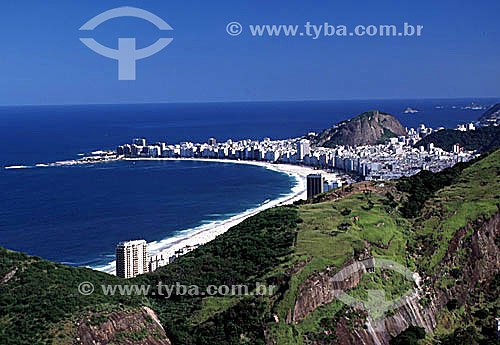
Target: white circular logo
[(86, 288), (234, 28)]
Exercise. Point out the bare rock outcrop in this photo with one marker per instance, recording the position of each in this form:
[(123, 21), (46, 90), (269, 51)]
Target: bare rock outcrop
[(8, 276), (321, 288), (131, 327)]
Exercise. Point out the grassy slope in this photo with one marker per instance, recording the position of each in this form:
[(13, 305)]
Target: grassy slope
[(475, 194), (320, 240)]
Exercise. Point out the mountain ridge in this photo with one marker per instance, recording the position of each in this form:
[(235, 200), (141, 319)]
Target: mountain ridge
[(493, 112), (481, 139)]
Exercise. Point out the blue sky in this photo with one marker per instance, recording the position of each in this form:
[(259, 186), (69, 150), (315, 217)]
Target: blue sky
[(44, 62)]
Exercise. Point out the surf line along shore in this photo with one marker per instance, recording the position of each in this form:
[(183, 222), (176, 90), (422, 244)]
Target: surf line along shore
[(206, 233)]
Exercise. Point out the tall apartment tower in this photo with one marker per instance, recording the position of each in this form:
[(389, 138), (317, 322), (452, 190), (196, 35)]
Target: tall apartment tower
[(314, 185), (131, 258), (303, 148)]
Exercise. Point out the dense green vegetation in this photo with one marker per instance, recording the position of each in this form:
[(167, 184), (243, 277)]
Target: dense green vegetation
[(243, 255), (477, 325), (42, 293), (411, 336), (482, 139)]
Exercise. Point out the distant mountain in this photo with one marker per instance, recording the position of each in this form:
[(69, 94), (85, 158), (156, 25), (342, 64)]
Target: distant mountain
[(368, 128), (482, 139), (492, 113)]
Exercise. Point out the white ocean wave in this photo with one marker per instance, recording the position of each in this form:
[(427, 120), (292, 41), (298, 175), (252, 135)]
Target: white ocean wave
[(19, 167)]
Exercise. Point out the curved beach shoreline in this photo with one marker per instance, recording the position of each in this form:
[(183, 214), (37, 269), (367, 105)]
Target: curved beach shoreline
[(206, 233)]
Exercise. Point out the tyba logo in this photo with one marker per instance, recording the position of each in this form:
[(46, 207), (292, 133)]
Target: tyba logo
[(126, 54)]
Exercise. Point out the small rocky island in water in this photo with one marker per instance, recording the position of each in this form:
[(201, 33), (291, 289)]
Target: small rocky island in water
[(410, 111)]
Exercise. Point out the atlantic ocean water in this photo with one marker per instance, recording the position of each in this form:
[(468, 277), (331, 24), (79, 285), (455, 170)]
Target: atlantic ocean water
[(77, 214)]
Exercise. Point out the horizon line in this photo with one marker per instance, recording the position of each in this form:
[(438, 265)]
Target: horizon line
[(253, 101)]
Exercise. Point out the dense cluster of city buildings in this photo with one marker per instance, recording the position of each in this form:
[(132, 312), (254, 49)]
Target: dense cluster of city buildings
[(466, 127), (159, 260), (395, 158)]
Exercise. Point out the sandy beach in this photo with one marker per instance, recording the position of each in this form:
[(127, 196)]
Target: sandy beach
[(206, 233)]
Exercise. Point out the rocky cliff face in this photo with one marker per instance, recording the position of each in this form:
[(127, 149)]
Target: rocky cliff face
[(480, 239), (321, 289), (366, 129), (133, 327)]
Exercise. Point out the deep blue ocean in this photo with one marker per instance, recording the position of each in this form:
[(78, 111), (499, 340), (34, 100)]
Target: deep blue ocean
[(77, 214)]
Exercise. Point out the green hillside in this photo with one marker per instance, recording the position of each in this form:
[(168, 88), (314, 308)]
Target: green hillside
[(416, 222), (41, 299), (482, 139)]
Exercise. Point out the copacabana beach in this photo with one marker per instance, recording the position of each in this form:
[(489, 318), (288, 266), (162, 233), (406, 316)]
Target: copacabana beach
[(75, 211), (207, 232)]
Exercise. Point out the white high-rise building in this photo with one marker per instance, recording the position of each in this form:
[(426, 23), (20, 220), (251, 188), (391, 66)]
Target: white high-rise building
[(303, 149), (131, 258)]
